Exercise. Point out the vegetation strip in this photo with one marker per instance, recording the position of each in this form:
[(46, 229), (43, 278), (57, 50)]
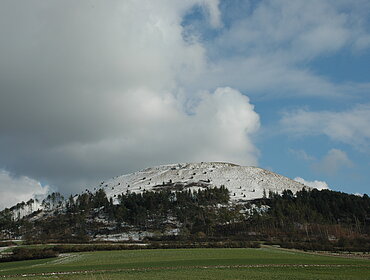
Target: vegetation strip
[(307, 220), (180, 267)]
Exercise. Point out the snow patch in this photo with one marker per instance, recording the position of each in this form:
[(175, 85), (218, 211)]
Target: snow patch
[(243, 182)]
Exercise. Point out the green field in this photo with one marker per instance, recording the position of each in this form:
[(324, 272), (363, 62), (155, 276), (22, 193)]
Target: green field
[(264, 263)]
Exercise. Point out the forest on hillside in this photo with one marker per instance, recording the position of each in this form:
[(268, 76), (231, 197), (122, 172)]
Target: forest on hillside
[(309, 219)]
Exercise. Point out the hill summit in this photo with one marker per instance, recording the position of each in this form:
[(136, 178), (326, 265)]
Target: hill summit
[(243, 182)]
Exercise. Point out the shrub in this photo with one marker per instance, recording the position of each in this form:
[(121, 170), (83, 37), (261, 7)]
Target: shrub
[(20, 254)]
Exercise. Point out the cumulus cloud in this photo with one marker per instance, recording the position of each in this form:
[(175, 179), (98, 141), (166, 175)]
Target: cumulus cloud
[(94, 89), (17, 189), (320, 185), (220, 128), (350, 126), (332, 162)]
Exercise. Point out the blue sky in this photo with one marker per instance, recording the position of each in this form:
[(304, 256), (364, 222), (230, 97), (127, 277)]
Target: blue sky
[(340, 64), (94, 89)]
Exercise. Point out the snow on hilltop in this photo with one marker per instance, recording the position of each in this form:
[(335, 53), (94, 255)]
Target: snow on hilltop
[(243, 182)]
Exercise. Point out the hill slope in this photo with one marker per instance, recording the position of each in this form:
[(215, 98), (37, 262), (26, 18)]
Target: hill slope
[(243, 182)]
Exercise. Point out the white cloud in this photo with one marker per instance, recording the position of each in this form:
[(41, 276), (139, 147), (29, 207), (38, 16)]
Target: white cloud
[(214, 12), (94, 89), (303, 29), (301, 154), (320, 185), (350, 127), (17, 189), (220, 128), (269, 48), (332, 162), (359, 194)]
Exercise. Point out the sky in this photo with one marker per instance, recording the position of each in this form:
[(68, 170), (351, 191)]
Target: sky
[(94, 89)]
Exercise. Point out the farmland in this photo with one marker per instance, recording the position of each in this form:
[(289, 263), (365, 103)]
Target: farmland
[(263, 263)]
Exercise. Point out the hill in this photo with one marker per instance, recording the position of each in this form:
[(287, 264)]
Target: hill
[(243, 182), (196, 201)]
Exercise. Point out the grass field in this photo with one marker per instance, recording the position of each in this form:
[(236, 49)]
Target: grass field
[(264, 263)]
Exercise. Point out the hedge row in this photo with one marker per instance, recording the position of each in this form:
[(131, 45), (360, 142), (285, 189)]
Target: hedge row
[(7, 243), (21, 254), (174, 245), (316, 246)]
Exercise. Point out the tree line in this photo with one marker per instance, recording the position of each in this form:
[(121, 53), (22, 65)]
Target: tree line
[(306, 219)]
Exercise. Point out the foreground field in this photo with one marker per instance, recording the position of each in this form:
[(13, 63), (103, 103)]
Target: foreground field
[(265, 263)]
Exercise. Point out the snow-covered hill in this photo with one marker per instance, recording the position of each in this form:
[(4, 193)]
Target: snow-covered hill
[(243, 182)]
